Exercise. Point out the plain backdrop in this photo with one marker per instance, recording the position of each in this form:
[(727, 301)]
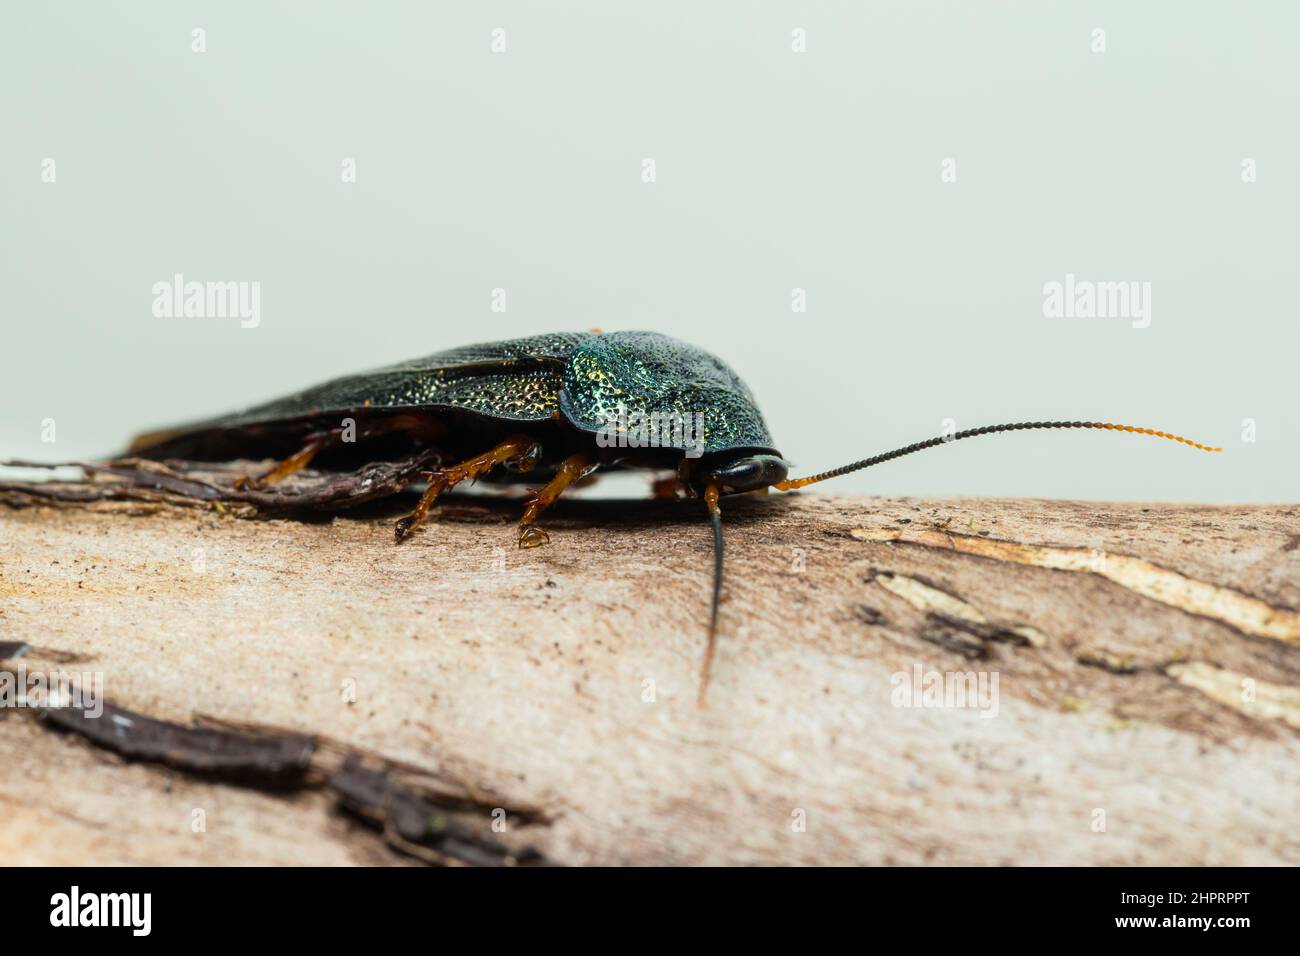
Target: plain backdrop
[(775, 170)]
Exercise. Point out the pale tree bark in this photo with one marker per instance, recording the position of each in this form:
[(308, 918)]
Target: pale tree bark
[(362, 702)]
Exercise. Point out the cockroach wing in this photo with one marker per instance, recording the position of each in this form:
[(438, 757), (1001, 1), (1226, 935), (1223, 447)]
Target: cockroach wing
[(512, 380)]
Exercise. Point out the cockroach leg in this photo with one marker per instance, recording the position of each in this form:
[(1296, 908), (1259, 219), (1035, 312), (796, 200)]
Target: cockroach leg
[(521, 449), (572, 469), (685, 470), (666, 487), (283, 469), (422, 426)]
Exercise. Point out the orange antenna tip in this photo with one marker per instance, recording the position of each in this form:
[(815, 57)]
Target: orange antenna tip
[(792, 483)]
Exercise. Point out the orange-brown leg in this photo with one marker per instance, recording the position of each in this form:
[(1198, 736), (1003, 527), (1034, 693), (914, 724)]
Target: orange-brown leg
[(283, 469), (520, 448), (666, 487), (416, 424), (572, 469)]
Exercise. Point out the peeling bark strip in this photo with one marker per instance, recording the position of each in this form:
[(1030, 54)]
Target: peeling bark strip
[(1241, 611), (942, 607), (278, 760), (209, 484), (1254, 698), (414, 824), (1103, 660), (435, 828), (12, 650), (982, 631)]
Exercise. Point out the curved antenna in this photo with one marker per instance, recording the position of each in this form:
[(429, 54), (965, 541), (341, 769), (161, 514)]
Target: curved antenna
[(715, 515), (792, 483)]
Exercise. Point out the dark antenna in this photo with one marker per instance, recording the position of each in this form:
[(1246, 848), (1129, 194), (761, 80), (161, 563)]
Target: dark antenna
[(715, 515), (793, 483), (711, 495)]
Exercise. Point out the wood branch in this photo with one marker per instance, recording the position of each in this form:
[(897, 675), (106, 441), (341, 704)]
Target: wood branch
[(284, 691)]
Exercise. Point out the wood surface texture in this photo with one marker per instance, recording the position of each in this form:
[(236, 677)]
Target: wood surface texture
[(1146, 657)]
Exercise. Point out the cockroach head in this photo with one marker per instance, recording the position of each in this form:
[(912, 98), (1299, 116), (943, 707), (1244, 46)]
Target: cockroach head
[(740, 473)]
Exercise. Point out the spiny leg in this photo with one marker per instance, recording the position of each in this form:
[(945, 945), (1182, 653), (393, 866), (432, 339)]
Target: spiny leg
[(318, 441), (678, 486), (572, 469), (521, 448)]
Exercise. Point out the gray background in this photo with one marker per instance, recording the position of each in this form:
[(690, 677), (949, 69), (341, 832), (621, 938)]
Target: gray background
[(775, 170)]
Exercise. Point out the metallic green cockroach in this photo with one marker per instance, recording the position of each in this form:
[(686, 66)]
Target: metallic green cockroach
[(563, 406)]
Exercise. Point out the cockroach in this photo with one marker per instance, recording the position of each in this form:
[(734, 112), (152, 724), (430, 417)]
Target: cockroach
[(559, 407)]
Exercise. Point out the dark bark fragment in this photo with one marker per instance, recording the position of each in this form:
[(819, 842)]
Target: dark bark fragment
[(272, 760)]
